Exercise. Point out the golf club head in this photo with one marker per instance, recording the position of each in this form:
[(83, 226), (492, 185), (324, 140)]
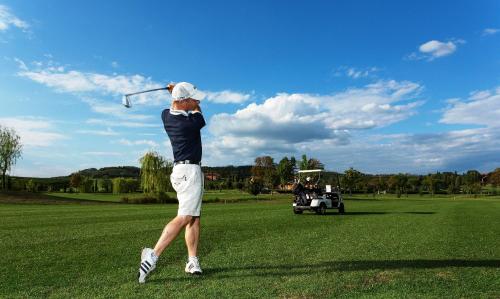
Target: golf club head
[(126, 102)]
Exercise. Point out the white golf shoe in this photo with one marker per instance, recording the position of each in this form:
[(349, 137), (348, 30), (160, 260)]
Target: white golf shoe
[(148, 264), (193, 266)]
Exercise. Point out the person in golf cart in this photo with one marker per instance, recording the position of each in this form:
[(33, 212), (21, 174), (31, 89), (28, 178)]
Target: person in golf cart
[(305, 193)]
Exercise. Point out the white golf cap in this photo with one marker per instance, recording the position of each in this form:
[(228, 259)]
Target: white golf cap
[(185, 90)]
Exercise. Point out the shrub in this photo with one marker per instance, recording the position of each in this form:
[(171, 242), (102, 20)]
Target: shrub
[(161, 197), (86, 185), (31, 186), (104, 185), (254, 187), (122, 185)]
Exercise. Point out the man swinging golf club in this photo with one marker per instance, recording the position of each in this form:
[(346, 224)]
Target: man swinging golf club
[(182, 122)]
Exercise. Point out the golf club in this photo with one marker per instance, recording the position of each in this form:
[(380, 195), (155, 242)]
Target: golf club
[(126, 98)]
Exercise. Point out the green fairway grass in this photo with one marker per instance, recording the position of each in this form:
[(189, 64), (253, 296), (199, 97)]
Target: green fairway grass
[(208, 196), (108, 197), (388, 248)]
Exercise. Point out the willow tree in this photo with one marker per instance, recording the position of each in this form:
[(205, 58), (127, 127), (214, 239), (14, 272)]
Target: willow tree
[(155, 171), (10, 151)]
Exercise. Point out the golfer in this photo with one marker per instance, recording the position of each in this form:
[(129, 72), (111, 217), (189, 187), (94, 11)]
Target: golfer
[(182, 122)]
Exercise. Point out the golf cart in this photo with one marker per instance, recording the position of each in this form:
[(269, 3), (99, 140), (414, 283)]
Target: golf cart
[(309, 196)]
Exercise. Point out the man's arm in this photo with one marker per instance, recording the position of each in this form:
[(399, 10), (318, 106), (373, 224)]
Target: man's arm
[(164, 115), (197, 106), (198, 118)]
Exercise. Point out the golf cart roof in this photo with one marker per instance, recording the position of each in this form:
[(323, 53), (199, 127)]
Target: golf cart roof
[(310, 170)]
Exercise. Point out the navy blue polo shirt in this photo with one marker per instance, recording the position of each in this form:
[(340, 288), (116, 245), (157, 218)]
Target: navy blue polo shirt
[(183, 129)]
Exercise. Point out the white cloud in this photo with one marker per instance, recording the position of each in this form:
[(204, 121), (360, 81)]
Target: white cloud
[(40, 170), (85, 83), (114, 109), (435, 49), (137, 142), (482, 108), (21, 64), (458, 150), (103, 153), (78, 82), (226, 97), (7, 19), (121, 123), (356, 73), (107, 132), (34, 132), (115, 64), (286, 122), (490, 31)]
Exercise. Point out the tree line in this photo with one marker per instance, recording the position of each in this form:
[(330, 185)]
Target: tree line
[(265, 175)]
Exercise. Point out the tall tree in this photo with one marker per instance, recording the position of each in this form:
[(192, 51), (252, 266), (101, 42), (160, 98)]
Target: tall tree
[(315, 164), (311, 163), (285, 170), (304, 163), (430, 182), (414, 183), (293, 162), (154, 173), (264, 170), (473, 181), (401, 184), (76, 180), (351, 177), (494, 177), (381, 184), (10, 151)]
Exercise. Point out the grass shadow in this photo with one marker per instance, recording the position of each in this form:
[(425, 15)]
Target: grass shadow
[(332, 266), (335, 212), (20, 197), (367, 213)]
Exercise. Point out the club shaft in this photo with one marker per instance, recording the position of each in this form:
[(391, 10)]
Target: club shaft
[(131, 94)]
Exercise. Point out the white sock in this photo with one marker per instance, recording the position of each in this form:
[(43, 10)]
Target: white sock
[(154, 257), (193, 259)]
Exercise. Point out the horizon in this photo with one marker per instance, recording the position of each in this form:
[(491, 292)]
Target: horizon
[(249, 165), (384, 87)]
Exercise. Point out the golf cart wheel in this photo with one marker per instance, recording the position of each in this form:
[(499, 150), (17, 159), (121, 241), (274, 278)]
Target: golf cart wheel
[(322, 209), (297, 211), (341, 208)]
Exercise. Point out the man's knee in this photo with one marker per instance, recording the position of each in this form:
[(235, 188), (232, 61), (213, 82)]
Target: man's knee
[(195, 220), (185, 219)]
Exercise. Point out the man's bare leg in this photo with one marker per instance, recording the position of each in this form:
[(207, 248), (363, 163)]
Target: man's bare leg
[(170, 232), (192, 236)]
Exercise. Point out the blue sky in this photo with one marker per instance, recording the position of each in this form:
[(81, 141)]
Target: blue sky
[(382, 86)]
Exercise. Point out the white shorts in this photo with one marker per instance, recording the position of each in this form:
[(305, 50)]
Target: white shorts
[(187, 181)]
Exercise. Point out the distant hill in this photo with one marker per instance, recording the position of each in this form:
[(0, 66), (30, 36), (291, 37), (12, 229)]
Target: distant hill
[(112, 172), (134, 172), (237, 172), (234, 172)]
